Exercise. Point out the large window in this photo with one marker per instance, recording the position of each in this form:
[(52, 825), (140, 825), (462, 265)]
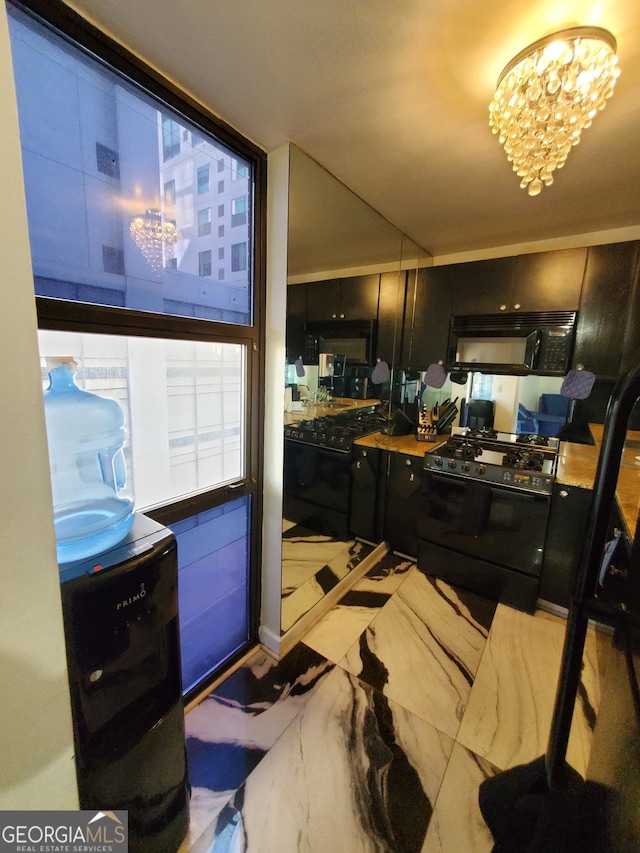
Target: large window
[(115, 161)]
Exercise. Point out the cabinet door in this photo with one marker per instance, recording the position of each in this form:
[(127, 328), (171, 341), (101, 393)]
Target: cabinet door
[(364, 513), (391, 316), (603, 318), (403, 503), (323, 300), (428, 312), (565, 535), (548, 281), (296, 316), (359, 297), (483, 287)]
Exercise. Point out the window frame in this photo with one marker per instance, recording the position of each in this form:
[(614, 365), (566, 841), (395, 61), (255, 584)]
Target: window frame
[(66, 315)]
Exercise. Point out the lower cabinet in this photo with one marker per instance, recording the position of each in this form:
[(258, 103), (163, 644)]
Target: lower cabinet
[(366, 500), (565, 535), (403, 503)]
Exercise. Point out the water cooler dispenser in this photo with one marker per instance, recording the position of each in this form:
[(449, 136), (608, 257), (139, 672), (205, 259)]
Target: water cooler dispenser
[(121, 625)]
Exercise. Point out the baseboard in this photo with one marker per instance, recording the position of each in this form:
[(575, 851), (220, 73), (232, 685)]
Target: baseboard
[(297, 631)]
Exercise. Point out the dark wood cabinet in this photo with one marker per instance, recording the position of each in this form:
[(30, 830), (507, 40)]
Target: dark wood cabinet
[(483, 287), (542, 281), (391, 316), (403, 503), (565, 535), (548, 281), (296, 316), (366, 501), (603, 319), (429, 299), (354, 298)]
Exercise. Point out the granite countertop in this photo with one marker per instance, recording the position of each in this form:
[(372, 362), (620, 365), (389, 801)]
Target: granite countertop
[(337, 406)]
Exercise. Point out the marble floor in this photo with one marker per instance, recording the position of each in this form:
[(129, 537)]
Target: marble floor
[(312, 566), (374, 732)]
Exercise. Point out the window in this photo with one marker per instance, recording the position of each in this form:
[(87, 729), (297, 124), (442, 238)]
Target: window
[(220, 210), (170, 193), (204, 262), (239, 170), (204, 222), (221, 253), (238, 257), (221, 274), (203, 179), (220, 186), (239, 211), (108, 161), (170, 138), (153, 336), (113, 260), (220, 230), (221, 165)]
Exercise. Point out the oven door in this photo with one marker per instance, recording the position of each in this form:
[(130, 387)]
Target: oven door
[(316, 488), (489, 523)]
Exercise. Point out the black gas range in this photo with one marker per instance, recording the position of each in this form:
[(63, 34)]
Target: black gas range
[(336, 432), (518, 461)]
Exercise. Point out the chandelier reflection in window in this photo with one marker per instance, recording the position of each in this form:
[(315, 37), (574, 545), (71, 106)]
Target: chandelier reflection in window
[(155, 236)]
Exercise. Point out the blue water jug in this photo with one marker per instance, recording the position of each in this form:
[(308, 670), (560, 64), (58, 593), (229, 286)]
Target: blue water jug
[(93, 510)]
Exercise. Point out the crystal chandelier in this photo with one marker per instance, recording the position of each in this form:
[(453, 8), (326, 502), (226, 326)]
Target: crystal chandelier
[(155, 236), (547, 95)]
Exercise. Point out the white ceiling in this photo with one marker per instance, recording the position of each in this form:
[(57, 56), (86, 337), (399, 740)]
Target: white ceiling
[(392, 98)]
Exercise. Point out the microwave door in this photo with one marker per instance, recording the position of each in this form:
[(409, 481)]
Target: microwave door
[(495, 351)]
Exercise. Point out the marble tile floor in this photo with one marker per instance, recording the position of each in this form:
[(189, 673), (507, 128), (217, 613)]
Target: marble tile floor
[(374, 732), (313, 565)]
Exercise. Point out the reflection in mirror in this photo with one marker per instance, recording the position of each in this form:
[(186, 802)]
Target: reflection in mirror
[(345, 307)]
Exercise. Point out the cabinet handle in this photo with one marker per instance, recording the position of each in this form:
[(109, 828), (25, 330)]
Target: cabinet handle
[(333, 316), (342, 316), (411, 478), (563, 493), (503, 307), (407, 462), (358, 464), (516, 307)]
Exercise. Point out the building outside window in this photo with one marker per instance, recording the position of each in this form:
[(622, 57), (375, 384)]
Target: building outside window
[(170, 193), (238, 257), (170, 138), (220, 187), (204, 222), (238, 211), (204, 263), (203, 179), (238, 170)]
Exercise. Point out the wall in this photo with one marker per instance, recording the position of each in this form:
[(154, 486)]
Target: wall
[(36, 741), (275, 356)]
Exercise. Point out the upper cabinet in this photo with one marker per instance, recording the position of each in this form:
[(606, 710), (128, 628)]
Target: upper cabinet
[(543, 281), (429, 298), (609, 322), (353, 298), (391, 316)]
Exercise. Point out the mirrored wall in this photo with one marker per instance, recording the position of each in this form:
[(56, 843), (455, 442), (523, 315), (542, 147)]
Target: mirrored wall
[(348, 272)]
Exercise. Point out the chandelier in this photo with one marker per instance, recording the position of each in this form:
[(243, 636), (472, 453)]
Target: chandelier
[(547, 95), (155, 236)]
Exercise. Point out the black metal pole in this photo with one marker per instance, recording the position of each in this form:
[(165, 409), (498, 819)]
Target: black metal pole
[(622, 401)]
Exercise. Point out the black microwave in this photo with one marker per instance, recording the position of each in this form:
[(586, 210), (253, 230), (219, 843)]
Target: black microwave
[(518, 344), (354, 339)]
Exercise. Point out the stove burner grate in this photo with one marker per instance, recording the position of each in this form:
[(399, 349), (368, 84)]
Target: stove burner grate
[(462, 450), (481, 432), (531, 438), (523, 460)]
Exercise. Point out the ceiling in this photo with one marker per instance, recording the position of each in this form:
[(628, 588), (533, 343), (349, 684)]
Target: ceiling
[(392, 98)]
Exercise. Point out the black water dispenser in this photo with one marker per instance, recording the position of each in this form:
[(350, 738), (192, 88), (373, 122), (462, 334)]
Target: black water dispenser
[(121, 626)]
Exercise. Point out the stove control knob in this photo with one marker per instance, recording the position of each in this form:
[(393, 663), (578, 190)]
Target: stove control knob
[(438, 461), (452, 463), (466, 466), (480, 469)]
